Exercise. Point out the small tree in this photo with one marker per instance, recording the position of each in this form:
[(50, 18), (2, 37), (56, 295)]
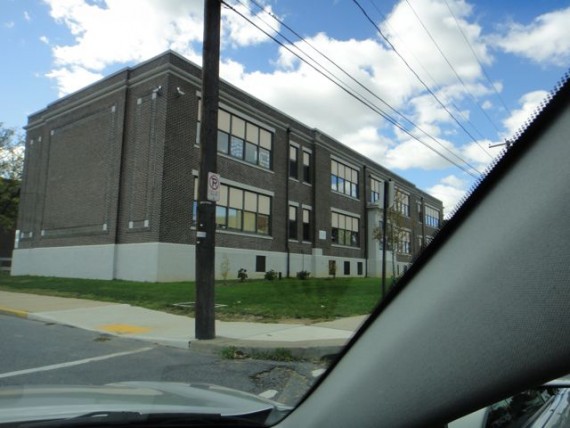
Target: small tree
[(394, 229), (225, 267), (11, 166)]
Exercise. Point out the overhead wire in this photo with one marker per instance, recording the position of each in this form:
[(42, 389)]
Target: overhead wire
[(478, 60), (350, 76), (459, 78), (353, 95), (428, 89)]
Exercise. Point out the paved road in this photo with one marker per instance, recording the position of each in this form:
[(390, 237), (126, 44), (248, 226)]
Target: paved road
[(34, 353)]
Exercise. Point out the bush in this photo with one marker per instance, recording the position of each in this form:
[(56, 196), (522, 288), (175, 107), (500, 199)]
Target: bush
[(271, 275), (303, 274), (242, 274)]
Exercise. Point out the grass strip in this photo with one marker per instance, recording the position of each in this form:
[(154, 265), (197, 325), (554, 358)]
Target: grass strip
[(313, 299)]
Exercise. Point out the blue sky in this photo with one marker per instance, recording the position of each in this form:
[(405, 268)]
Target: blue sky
[(54, 47)]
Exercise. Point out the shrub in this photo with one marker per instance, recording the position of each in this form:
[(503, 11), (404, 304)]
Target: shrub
[(242, 274), (303, 274), (271, 275)]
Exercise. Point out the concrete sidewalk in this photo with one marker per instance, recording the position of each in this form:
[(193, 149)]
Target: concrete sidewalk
[(314, 341)]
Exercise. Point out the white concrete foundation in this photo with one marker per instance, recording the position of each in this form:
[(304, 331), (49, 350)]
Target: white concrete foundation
[(162, 262)]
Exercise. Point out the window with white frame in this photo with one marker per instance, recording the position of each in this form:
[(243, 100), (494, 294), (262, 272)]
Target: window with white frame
[(239, 210), (431, 217), (345, 229), (405, 242), (242, 139), (292, 222), (375, 190), (293, 161), (402, 203), (307, 236), (307, 173), (344, 179)]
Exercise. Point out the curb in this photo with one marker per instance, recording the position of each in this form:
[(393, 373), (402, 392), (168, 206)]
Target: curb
[(13, 312)]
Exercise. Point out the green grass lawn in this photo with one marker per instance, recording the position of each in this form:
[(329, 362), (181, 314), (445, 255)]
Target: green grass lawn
[(262, 300)]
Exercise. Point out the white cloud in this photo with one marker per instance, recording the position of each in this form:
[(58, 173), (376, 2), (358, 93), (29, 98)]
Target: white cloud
[(70, 79), (407, 34), (450, 190), (9, 24), (153, 27), (544, 41), (27, 16), (44, 39), (291, 85), (529, 102), (239, 32)]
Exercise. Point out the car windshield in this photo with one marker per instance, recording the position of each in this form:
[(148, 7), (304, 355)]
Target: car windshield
[(201, 202)]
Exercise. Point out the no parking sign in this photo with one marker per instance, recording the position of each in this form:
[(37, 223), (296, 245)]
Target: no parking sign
[(213, 187)]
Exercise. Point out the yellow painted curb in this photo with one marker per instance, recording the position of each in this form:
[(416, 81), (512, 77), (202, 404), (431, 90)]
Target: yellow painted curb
[(124, 328), (14, 312)]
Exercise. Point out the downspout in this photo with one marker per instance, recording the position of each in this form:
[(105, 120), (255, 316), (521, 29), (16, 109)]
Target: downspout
[(120, 172), (287, 249)]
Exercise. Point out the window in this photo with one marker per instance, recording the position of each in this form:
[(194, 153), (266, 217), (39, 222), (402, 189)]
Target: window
[(347, 268), (431, 217), (293, 153), (292, 222), (260, 263), (306, 225), (375, 190), (344, 179), (241, 139), (345, 230), (240, 210), (402, 203), (405, 242), (359, 268), (307, 167)]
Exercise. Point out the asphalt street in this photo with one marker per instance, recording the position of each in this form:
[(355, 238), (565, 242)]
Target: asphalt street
[(38, 353)]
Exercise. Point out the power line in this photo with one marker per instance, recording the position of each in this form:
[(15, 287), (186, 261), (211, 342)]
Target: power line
[(458, 78), (352, 78), (413, 71), (353, 95), (478, 60), (425, 71)]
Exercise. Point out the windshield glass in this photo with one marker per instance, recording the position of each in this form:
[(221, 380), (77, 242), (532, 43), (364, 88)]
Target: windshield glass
[(199, 224)]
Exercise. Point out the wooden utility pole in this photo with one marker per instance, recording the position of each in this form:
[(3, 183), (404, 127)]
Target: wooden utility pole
[(206, 224)]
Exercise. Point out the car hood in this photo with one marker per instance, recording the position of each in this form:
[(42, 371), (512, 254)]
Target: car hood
[(33, 403)]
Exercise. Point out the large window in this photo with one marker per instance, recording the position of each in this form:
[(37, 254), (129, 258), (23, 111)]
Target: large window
[(345, 230), (405, 242), (375, 190), (402, 203), (240, 210), (243, 140), (431, 216), (344, 179)]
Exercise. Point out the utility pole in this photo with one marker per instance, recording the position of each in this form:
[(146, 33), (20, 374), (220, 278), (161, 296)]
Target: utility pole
[(388, 200), (206, 224)]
